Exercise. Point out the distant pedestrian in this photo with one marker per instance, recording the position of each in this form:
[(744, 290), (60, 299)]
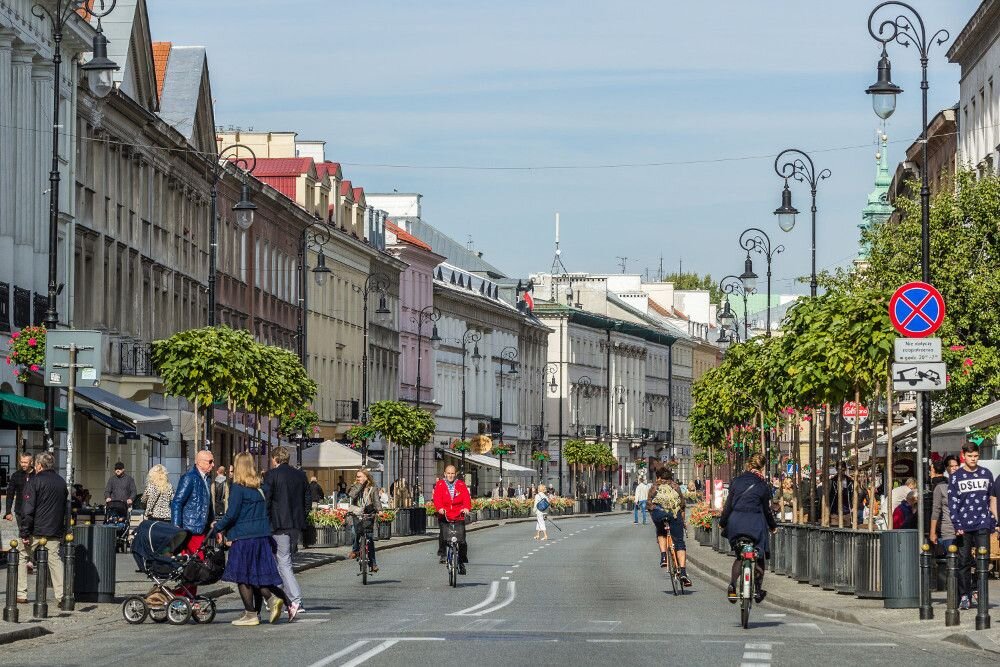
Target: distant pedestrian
[(251, 564), (900, 492), (541, 506), (972, 504), (904, 517), (120, 487), (220, 491), (942, 531), (15, 488), (641, 491), (191, 508), (288, 503), (383, 497), (43, 515), (158, 494), (316, 491)]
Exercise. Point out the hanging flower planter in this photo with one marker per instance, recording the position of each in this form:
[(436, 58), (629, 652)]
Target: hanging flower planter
[(461, 446), (27, 352)]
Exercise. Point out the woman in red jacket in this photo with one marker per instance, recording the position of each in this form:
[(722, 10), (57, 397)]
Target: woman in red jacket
[(453, 503)]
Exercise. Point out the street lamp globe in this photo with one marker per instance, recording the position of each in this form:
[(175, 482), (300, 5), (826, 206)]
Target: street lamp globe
[(382, 312), (553, 385), (100, 69), (786, 212), (435, 338), (321, 272), (244, 209), (884, 91), (748, 277)]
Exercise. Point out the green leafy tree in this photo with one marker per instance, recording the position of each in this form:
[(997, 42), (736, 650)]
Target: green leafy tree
[(693, 281)]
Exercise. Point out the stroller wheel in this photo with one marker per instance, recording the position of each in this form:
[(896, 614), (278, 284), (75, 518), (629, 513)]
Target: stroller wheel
[(179, 611), (203, 610), (134, 610)]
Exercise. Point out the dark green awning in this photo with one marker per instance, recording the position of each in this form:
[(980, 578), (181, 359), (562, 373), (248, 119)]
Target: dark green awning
[(26, 413)]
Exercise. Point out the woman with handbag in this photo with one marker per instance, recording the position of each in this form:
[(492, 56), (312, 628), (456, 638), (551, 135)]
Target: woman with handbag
[(541, 505), (251, 564), (158, 494)]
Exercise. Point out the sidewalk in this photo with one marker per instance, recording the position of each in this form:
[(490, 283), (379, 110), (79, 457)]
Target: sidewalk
[(787, 592), (88, 617)]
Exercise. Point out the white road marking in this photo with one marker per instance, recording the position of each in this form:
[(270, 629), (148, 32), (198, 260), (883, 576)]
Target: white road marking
[(371, 653), (775, 615), (511, 594), (509, 572), (494, 589), (806, 625), (330, 658), (311, 620), (504, 578), (758, 647), (871, 644), (516, 566), (756, 655)]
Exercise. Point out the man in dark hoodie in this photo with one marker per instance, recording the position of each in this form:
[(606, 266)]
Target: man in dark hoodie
[(973, 509)]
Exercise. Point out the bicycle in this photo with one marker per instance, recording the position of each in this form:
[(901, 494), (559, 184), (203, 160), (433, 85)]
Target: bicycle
[(747, 584), (673, 564), (364, 544), (452, 554)]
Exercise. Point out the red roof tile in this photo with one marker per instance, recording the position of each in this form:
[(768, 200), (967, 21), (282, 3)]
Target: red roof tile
[(346, 190), (359, 194), (405, 236), (659, 309), (331, 168), (281, 166), (161, 54)]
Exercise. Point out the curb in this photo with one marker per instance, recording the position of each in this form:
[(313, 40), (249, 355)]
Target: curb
[(968, 641), (23, 633)]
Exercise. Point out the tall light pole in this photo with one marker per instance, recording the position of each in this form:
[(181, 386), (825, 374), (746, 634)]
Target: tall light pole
[(426, 314), (800, 167), (728, 322), (507, 355), (550, 371), (318, 238), (100, 79), (756, 240), (375, 282), (583, 387), (906, 30), (734, 285), (470, 336)]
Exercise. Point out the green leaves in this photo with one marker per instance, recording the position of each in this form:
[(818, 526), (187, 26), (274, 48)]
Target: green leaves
[(401, 423)]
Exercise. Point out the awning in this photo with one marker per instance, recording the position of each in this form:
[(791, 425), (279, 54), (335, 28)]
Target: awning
[(490, 462), (330, 454), (253, 434), (26, 413), (905, 431), (984, 417), (144, 420), (109, 422)]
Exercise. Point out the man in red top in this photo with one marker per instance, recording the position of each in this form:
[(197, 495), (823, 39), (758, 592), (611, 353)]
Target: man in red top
[(453, 503)]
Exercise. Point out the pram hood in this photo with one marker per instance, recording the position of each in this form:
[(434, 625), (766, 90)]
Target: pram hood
[(157, 542)]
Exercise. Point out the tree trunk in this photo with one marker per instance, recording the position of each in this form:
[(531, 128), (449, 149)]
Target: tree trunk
[(871, 475), (888, 451), (857, 468), (797, 469), (814, 515), (825, 499)]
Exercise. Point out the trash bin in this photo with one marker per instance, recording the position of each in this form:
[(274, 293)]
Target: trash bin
[(900, 569), (96, 561)]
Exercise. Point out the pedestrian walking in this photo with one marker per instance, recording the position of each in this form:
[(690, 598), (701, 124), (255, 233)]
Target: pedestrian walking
[(288, 503), (158, 494), (316, 491), (942, 530), (251, 564), (972, 505), (15, 495), (541, 505), (641, 491), (120, 487), (191, 508), (43, 515), (220, 491)]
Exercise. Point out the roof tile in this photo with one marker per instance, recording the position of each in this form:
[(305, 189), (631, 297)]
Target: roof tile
[(161, 54), (405, 236)]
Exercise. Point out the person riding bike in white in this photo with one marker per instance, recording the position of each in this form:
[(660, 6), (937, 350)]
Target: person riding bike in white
[(666, 508), (747, 513), (364, 502)]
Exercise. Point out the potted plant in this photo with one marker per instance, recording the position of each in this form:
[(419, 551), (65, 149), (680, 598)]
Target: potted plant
[(27, 352), (329, 525), (383, 524)]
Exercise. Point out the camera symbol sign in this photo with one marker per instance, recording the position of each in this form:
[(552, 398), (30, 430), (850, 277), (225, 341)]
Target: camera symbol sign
[(916, 310)]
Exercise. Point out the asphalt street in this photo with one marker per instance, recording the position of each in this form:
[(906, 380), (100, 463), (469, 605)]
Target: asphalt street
[(593, 594)]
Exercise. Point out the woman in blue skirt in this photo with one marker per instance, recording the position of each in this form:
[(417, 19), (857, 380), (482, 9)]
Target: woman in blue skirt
[(251, 564)]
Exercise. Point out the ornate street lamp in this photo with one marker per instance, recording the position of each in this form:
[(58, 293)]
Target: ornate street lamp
[(550, 371), (508, 355), (426, 314), (470, 336), (800, 167), (755, 240), (244, 210), (733, 285), (375, 282)]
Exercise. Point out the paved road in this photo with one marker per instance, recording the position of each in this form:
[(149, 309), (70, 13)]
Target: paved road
[(592, 595)]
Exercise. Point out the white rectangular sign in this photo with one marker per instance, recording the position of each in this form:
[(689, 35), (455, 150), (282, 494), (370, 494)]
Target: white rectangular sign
[(918, 349), (919, 376)]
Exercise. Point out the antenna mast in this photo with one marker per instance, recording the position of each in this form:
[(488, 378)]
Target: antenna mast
[(558, 268)]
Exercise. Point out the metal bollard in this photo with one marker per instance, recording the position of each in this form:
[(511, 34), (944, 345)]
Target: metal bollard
[(41, 606), (926, 611), (10, 612), (69, 598), (982, 583), (951, 614)]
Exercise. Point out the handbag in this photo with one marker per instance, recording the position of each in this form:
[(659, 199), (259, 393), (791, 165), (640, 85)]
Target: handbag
[(543, 504)]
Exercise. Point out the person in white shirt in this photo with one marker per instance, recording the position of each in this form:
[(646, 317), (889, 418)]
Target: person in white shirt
[(641, 491), (540, 532)]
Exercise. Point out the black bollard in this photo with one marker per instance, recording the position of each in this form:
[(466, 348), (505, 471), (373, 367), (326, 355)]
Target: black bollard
[(69, 598), (10, 612), (982, 583), (41, 607), (926, 611), (951, 615)]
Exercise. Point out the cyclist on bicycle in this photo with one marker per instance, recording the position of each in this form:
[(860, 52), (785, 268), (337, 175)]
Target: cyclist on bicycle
[(747, 513), (453, 503), (364, 505), (666, 508)]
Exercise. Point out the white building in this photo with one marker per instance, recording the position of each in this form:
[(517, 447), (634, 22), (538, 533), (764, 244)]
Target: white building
[(976, 50)]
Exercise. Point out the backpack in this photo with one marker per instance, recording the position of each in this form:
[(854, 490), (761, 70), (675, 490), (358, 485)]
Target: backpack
[(543, 504), (667, 498)]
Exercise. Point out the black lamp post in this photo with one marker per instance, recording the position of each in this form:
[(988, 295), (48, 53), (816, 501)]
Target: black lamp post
[(906, 30), (507, 355), (100, 79), (375, 282), (426, 314), (755, 240), (729, 331), (470, 336), (800, 167), (734, 285), (549, 371)]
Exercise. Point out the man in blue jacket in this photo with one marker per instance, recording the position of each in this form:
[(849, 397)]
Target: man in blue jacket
[(191, 508)]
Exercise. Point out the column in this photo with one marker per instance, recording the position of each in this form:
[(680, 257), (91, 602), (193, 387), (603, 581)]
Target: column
[(24, 176), (7, 182), (41, 140)]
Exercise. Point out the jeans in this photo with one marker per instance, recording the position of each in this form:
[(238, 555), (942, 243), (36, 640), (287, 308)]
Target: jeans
[(966, 558), (284, 542), (639, 505)]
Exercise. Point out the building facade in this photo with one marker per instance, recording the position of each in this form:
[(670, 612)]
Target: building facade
[(977, 52)]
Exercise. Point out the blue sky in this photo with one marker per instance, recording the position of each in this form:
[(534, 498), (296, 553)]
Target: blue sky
[(714, 89)]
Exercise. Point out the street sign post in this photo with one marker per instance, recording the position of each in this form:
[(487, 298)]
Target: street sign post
[(57, 357), (916, 310), (920, 376), (854, 412), (909, 350)]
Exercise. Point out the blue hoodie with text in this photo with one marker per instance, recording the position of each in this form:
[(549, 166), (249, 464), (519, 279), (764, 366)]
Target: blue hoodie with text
[(969, 495)]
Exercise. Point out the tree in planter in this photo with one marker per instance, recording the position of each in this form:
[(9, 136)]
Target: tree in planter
[(400, 423), (574, 454)]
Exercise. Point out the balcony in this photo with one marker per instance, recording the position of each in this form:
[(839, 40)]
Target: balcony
[(536, 433), (135, 359), (347, 411)]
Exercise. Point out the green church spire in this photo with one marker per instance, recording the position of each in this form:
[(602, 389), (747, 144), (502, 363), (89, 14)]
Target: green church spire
[(878, 208)]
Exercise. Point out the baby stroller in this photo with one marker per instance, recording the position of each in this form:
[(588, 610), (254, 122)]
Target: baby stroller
[(116, 514), (155, 549)]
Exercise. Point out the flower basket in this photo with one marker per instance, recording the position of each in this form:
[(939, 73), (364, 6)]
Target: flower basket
[(27, 351), (460, 446)]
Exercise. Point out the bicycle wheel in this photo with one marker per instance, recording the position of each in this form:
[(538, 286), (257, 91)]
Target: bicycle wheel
[(746, 588), (677, 569), (745, 613), (672, 565), (363, 561)]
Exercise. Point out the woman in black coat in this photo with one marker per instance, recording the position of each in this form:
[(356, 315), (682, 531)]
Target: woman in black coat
[(747, 513)]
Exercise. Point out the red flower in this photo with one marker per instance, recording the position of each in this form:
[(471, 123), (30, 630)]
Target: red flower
[(15, 334), (956, 348), (17, 372), (32, 342), (34, 367), (968, 361)]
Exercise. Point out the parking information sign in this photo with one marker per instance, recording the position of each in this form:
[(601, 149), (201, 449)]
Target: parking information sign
[(916, 310), (909, 350), (920, 376)]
